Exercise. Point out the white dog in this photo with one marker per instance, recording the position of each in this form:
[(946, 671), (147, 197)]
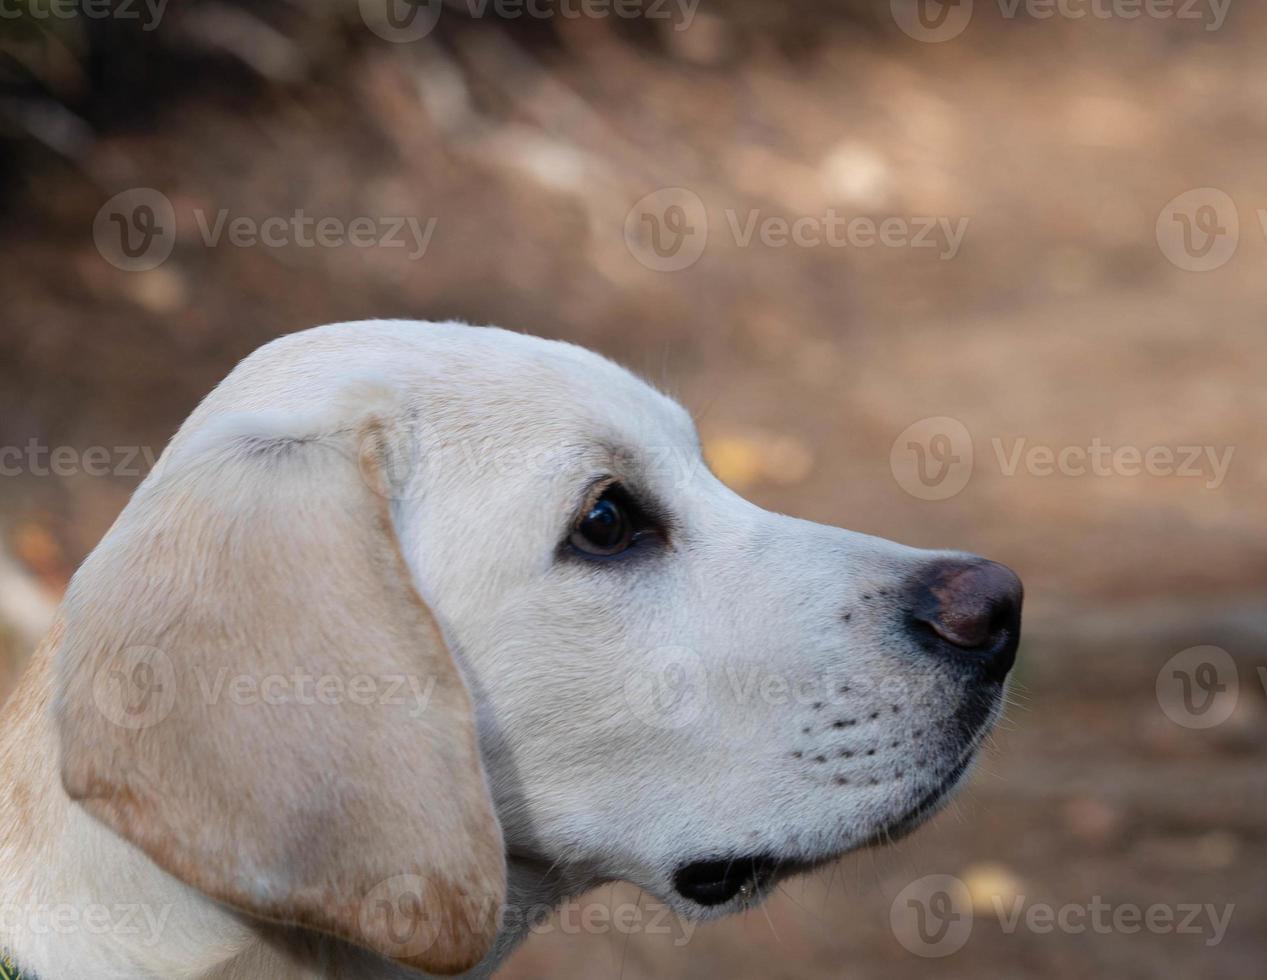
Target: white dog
[(417, 625)]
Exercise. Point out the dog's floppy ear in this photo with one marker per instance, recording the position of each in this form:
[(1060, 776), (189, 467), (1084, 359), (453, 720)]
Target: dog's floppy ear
[(251, 691)]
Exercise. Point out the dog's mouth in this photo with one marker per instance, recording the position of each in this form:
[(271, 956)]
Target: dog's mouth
[(748, 878), (719, 881)]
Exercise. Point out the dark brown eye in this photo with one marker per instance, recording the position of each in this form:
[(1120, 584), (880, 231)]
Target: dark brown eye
[(605, 530)]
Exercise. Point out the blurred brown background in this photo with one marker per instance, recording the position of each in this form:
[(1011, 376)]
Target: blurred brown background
[(1073, 312)]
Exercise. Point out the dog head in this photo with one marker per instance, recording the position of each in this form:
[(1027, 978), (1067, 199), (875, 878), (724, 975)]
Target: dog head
[(676, 687), (668, 685)]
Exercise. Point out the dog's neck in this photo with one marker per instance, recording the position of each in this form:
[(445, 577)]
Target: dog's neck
[(80, 901)]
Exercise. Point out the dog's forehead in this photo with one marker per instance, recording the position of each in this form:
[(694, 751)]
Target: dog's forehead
[(487, 392), (543, 390)]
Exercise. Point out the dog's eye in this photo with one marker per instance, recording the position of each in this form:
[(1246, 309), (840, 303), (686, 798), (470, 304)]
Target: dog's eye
[(605, 530), (614, 523)]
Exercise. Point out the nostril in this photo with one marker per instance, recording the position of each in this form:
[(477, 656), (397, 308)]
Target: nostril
[(966, 627), (973, 621)]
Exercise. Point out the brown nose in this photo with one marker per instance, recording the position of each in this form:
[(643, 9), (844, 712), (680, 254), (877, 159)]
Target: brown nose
[(974, 606)]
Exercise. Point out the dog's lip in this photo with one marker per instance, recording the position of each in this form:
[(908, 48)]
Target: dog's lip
[(930, 802), (715, 881), (925, 807)]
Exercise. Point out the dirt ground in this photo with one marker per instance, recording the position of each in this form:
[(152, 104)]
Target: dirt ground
[(1063, 319)]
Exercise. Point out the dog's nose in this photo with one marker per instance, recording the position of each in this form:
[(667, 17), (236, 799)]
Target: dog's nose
[(974, 605)]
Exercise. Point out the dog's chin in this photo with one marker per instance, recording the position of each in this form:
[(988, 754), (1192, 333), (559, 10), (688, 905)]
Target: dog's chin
[(717, 886)]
